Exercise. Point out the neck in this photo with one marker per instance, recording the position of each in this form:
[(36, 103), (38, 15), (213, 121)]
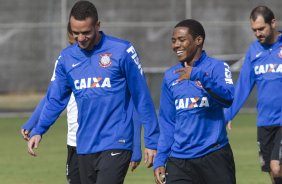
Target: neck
[(275, 37), (96, 41), (197, 54), (97, 38)]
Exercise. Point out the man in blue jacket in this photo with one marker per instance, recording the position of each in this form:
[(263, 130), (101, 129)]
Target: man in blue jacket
[(263, 67), (105, 75), (193, 143)]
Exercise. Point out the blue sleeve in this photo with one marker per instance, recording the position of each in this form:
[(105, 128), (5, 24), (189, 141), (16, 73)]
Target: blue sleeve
[(243, 88), (34, 118), (57, 98), (218, 83), (137, 151), (167, 122), (141, 97)]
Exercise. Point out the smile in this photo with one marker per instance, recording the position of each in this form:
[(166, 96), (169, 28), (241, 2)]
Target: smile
[(179, 53)]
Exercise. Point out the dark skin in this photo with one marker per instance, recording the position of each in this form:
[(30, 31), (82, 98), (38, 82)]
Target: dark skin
[(185, 72), (188, 50)]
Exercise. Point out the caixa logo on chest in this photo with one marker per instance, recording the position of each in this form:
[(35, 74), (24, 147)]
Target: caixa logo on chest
[(92, 82), (267, 68), (188, 103)]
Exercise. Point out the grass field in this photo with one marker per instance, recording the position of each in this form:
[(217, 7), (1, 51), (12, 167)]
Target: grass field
[(49, 167)]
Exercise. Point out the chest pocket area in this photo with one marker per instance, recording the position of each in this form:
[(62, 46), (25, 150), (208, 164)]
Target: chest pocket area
[(270, 76)]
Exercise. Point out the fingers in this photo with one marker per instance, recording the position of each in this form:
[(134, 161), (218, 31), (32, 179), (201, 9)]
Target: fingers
[(134, 165), (179, 70), (159, 174), (149, 156), (150, 161), (25, 134), (184, 73), (229, 125), (145, 157), (158, 179), (182, 69), (32, 144)]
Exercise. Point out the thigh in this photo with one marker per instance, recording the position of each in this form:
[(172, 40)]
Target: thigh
[(217, 167), (87, 165), (113, 166), (72, 171), (276, 153), (180, 171), (266, 138)]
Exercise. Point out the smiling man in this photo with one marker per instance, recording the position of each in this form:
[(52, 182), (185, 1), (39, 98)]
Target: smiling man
[(193, 143), (106, 78)]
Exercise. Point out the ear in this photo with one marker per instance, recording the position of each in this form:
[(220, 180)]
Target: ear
[(97, 25), (199, 40), (273, 23)]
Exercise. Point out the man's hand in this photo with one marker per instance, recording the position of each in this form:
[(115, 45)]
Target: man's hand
[(229, 125), (33, 143), (25, 134), (149, 156), (185, 72), (160, 175), (134, 165)]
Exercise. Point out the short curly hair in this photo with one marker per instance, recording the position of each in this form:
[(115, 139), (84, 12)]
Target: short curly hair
[(195, 28)]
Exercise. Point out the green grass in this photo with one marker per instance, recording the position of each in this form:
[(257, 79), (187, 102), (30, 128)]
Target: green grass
[(19, 101), (49, 167), (243, 141)]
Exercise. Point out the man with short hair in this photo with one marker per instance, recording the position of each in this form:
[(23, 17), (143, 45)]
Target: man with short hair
[(193, 143), (105, 75), (263, 67)]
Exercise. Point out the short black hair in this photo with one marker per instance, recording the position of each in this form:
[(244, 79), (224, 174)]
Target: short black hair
[(263, 11), (195, 28), (84, 9)]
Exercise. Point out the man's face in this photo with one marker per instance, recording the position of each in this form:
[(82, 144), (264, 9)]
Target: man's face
[(263, 31), (183, 44), (84, 32)]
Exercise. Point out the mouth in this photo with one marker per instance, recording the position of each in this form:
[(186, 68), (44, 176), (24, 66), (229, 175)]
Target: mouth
[(82, 44), (179, 53)]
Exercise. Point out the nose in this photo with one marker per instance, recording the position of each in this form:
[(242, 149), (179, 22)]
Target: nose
[(81, 37), (257, 33), (176, 44)]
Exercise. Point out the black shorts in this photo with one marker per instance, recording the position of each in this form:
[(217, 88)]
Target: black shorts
[(72, 170), (104, 167), (214, 168), (269, 145)]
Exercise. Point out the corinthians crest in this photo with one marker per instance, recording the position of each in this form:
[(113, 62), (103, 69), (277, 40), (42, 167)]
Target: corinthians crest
[(105, 60)]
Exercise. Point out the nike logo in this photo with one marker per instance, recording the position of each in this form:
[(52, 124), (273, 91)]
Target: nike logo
[(114, 154), (74, 65), (258, 54)]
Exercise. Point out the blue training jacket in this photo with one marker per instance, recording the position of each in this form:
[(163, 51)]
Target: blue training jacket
[(191, 111), (263, 67), (103, 81), (137, 151)]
